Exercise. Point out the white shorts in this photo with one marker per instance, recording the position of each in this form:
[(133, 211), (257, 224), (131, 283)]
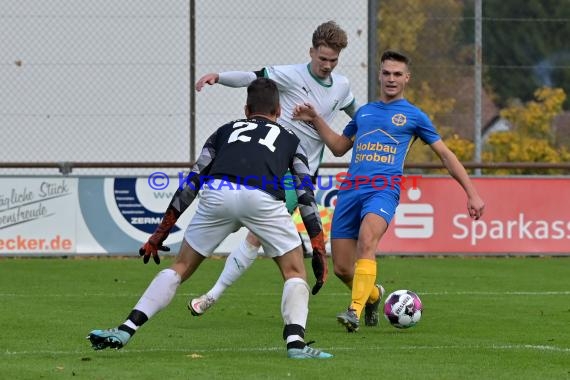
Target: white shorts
[(222, 211)]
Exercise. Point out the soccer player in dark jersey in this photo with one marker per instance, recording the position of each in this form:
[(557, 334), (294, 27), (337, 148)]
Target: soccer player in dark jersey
[(241, 169), (380, 135)]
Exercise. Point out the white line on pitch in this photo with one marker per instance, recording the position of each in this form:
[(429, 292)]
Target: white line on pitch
[(189, 351), (466, 293)]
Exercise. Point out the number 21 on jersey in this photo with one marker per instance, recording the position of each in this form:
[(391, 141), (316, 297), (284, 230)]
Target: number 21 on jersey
[(241, 127)]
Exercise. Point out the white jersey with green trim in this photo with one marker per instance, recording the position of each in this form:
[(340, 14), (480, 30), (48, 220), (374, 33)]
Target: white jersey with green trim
[(298, 85)]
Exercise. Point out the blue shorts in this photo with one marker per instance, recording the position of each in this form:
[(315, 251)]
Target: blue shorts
[(352, 206)]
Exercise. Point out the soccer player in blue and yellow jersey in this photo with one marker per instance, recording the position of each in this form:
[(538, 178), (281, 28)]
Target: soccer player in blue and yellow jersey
[(380, 134)]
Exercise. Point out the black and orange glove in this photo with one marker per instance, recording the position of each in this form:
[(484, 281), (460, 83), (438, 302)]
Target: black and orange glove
[(154, 243), (319, 262)]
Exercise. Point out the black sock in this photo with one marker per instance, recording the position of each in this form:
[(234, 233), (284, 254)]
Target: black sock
[(289, 330), (296, 344), (127, 329), (138, 318)]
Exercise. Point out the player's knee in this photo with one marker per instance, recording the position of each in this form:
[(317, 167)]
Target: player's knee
[(293, 271), (367, 249), (253, 240), (343, 272)]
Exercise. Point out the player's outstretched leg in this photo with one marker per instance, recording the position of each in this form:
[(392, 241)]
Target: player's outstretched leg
[(156, 297), (238, 261), (295, 309)]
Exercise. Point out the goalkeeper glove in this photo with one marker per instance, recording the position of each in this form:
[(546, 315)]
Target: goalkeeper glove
[(319, 262), (154, 243)]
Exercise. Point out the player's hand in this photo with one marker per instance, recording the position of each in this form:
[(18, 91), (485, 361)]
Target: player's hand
[(151, 249), (305, 112), (320, 269), (154, 243), (476, 207), (319, 262), (210, 79)]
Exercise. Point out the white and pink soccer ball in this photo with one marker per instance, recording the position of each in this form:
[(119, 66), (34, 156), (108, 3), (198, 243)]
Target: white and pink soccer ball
[(403, 309)]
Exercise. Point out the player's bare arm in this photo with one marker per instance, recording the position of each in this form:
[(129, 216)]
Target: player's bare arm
[(337, 143), (229, 79), (211, 79), (475, 204)]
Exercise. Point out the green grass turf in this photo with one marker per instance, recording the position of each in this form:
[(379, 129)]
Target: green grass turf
[(484, 318)]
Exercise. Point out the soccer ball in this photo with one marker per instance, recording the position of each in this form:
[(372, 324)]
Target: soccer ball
[(403, 309)]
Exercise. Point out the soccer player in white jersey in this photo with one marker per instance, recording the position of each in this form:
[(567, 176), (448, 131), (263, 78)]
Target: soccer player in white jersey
[(313, 82)]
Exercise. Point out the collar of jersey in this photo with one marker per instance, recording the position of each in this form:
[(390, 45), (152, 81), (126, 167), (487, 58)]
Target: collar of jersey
[(391, 102), (319, 81)]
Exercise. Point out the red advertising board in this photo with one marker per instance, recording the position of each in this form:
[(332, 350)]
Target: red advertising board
[(522, 216)]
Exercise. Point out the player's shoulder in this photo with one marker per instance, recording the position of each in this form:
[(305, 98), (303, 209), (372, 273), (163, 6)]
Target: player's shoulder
[(293, 69), (230, 124), (340, 78), (370, 107), (414, 112), (267, 122), (340, 81), (283, 128), (414, 108), (289, 133)]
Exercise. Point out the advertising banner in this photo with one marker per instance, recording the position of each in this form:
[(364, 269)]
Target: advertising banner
[(115, 215), (37, 215), (522, 216), (119, 214)]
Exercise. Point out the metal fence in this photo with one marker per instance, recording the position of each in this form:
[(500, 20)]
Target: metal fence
[(94, 81), (113, 81)]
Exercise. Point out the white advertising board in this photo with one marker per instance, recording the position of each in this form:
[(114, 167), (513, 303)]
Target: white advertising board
[(38, 215)]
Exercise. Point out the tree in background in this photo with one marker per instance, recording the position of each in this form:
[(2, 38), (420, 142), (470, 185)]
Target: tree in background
[(522, 42), (532, 138), (426, 30), (525, 46)]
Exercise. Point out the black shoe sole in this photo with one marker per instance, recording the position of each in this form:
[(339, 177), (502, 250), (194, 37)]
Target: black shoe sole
[(350, 327), (99, 343)]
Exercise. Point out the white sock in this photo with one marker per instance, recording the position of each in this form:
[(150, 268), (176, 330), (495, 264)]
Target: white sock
[(295, 304), (159, 293), (239, 259)]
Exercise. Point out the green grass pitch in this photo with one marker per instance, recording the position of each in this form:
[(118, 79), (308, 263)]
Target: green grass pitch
[(484, 318)]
